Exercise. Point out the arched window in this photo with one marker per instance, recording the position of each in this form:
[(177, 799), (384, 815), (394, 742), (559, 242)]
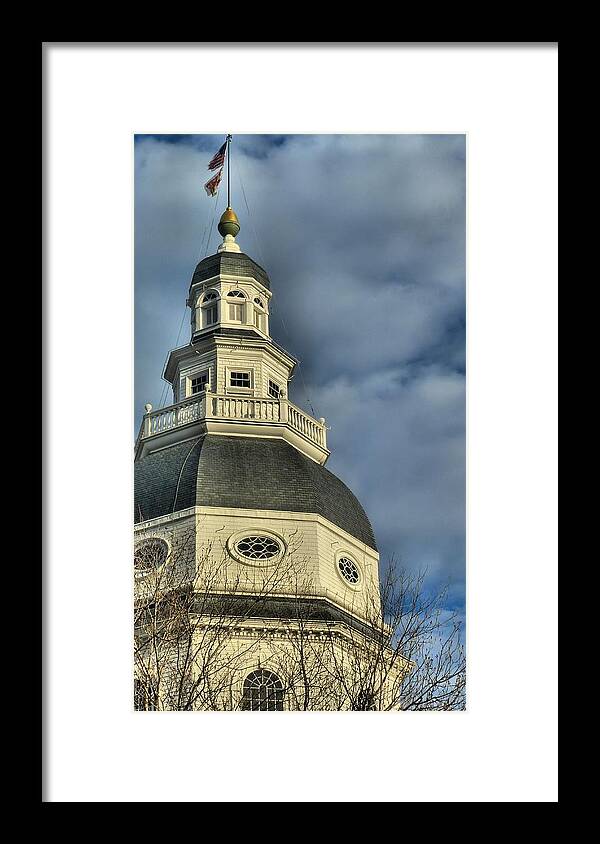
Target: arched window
[(237, 309), (263, 692), (208, 313)]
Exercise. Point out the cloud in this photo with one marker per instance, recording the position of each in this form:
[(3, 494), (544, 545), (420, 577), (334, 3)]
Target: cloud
[(363, 237)]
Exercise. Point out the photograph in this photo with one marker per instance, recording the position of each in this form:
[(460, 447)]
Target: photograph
[(300, 383), (300, 421)]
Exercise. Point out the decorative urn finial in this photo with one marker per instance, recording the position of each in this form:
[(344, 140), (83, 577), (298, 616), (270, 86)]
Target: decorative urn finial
[(229, 223), (229, 226)]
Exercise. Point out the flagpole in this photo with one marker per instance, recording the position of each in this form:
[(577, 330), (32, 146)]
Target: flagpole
[(228, 171)]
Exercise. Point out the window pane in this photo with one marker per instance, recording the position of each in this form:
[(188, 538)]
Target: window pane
[(236, 312), (199, 382), (259, 321), (240, 379), (263, 692), (210, 315)]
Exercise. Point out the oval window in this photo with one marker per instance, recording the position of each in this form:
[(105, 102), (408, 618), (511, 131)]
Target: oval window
[(258, 547), (348, 570)]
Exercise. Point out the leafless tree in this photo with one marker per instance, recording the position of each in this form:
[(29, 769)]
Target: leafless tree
[(414, 658), (199, 630), (191, 621), (403, 651)]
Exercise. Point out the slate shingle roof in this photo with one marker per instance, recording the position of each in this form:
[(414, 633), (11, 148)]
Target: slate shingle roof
[(245, 472), (231, 263)]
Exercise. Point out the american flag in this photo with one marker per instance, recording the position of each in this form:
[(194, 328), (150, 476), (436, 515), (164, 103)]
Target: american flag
[(212, 186), (218, 158)]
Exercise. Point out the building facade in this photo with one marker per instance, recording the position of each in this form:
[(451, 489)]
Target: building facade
[(256, 568)]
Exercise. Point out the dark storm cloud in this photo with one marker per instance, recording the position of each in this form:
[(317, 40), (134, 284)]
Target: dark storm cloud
[(363, 237)]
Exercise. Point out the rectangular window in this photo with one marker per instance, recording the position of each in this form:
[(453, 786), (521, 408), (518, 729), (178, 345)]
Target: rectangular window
[(198, 383), (210, 315), (274, 389), (239, 379), (236, 313)]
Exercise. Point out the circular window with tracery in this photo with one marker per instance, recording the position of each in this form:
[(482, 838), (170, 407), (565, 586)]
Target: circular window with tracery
[(258, 547), (149, 555), (348, 570)]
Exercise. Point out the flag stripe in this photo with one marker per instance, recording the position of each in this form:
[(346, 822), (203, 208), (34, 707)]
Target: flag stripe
[(218, 158), (212, 185)]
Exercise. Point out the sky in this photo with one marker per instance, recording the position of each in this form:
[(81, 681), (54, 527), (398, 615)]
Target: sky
[(363, 238)]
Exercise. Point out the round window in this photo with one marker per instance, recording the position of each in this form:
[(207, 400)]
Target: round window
[(257, 547), (149, 555), (348, 570)]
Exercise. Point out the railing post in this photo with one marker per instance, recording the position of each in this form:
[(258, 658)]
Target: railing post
[(207, 401), (323, 432), (283, 406), (148, 409)]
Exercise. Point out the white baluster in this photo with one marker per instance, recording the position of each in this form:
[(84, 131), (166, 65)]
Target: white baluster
[(147, 420)]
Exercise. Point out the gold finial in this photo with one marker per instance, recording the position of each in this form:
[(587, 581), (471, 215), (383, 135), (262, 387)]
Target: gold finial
[(229, 223)]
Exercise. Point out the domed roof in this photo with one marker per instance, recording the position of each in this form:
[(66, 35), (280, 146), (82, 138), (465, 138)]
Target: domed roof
[(231, 263), (245, 472)]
